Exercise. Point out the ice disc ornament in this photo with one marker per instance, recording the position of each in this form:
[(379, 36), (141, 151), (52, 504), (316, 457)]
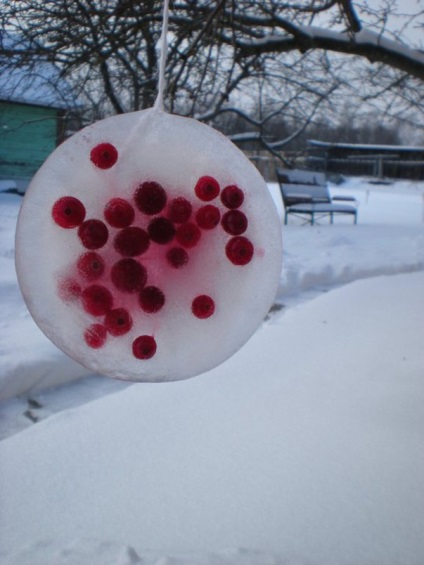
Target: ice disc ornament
[(148, 247)]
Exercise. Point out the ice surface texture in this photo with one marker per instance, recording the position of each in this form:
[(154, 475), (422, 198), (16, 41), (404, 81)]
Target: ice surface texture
[(148, 247)]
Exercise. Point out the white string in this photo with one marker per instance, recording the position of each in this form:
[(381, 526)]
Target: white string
[(158, 105)]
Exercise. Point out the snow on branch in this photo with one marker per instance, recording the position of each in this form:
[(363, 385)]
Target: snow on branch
[(365, 43)]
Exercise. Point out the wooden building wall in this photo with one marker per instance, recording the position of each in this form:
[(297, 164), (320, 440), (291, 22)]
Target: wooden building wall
[(28, 134)]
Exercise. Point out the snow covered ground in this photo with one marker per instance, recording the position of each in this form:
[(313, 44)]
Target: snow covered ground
[(304, 448)]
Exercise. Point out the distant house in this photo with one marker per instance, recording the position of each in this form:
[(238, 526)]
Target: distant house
[(392, 161), (33, 105)]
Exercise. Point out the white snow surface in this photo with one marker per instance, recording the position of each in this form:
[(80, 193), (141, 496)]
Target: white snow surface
[(304, 448)]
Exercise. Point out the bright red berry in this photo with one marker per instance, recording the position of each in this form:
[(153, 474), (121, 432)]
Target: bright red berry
[(97, 300), (128, 275), (93, 234), (95, 336), (161, 230), (188, 234), (177, 257), (207, 188), (239, 250), (68, 212), (150, 198), (234, 222), (131, 241), (144, 347), (203, 306), (232, 196), (90, 266), (104, 155), (119, 213), (208, 216), (118, 321), (151, 299), (180, 210)]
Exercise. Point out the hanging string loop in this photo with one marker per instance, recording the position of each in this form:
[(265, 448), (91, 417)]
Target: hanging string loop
[(158, 105)]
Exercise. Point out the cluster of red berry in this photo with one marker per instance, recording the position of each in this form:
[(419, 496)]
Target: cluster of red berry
[(174, 225)]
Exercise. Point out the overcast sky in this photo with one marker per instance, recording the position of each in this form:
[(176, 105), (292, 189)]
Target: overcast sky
[(415, 30)]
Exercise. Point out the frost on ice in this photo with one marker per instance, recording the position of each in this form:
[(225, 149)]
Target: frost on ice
[(148, 247)]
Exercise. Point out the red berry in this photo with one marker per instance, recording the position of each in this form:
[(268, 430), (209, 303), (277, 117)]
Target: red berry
[(232, 196), (104, 155), (203, 306), (161, 230), (239, 250), (144, 347), (119, 213), (97, 300), (150, 198), (180, 210), (68, 212), (95, 336), (128, 275), (90, 266), (131, 242), (93, 234), (68, 290), (207, 188), (151, 299), (118, 321), (234, 222), (188, 234), (208, 217), (177, 257)]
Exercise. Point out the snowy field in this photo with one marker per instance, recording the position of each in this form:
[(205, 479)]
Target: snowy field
[(304, 448)]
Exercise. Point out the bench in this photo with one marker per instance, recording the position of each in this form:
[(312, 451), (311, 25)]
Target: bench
[(305, 194)]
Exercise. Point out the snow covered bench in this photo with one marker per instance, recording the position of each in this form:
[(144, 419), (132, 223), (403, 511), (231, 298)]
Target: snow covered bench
[(306, 194)]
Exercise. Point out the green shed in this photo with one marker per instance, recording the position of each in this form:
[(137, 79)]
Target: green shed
[(34, 110), (29, 133)]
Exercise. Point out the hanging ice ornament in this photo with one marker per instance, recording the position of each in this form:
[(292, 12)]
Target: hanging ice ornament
[(148, 247)]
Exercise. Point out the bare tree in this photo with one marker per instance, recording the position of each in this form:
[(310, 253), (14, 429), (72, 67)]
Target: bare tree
[(261, 60)]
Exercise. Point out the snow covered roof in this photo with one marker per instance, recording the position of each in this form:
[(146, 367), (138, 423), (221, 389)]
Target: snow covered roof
[(365, 146), (37, 83)]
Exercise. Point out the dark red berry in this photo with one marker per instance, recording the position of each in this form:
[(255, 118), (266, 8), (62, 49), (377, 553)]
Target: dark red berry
[(188, 234), (118, 321), (207, 188), (68, 212), (131, 241), (97, 300), (144, 347), (104, 155), (119, 213), (239, 250), (90, 266), (208, 216), (177, 257), (69, 290), (151, 299), (232, 196), (93, 234), (234, 222), (150, 198), (161, 230), (180, 210), (95, 336), (128, 275), (203, 306)]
